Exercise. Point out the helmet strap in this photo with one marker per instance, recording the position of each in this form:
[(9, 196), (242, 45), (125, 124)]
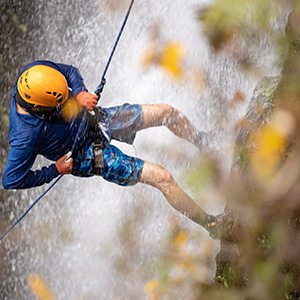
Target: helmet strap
[(22, 102), (52, 116)]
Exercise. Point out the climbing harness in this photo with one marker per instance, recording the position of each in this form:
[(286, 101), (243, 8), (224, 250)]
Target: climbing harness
[(97, 146)]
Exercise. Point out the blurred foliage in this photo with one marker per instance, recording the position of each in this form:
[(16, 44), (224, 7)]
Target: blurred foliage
[(38, 287), (270, 144), (199, 181), (169, 58), (183, 269), (260, 245), (227, 20), (70, 109), (116, 5), (259, 257)]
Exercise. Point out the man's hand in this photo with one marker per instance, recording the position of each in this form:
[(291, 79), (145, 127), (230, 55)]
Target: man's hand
[(87, 100), (63, 166)]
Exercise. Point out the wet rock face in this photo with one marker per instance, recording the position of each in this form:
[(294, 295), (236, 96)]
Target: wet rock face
[(261, 230), (234, 227), (18, 36), (258, 113)]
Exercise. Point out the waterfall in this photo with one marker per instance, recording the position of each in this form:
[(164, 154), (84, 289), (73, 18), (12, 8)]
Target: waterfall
[(90, 239)]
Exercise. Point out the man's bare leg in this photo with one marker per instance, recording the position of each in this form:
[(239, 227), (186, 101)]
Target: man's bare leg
[(175, 121), (161, 179), (158, 177)]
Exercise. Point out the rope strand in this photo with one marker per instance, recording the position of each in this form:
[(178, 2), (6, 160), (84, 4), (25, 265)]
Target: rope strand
[(101, 85), (97, 92), (30, 207), (50, 187)]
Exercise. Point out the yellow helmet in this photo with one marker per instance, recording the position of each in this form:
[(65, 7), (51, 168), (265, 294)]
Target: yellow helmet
[(43, 85)]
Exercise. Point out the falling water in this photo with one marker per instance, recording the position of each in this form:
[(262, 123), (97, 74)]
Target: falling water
[(90, 239)]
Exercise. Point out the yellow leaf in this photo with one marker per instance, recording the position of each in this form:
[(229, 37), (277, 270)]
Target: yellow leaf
[(150, 56), (171, 59), (266, 158), (180, 239), (154, 289), (38, 287), (151, 285), (198, 80), (243, 123), (270, 143), (187, 266), (70, 109), (238, 97)]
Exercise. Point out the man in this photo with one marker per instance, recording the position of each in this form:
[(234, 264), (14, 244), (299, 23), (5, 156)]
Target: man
[(40, 95)]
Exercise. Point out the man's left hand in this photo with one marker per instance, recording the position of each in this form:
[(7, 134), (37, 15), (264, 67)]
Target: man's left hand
[(87, 100)]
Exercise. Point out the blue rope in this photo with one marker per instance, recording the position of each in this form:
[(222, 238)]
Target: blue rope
[(97, 92), (30, 207), (101, 85), (50, 187), (78, 131)]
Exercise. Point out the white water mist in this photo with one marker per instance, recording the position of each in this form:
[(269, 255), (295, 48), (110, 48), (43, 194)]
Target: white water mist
[(72, 238)]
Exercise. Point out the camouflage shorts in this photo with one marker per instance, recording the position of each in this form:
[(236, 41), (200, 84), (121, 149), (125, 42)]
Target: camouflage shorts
[(122, 123)]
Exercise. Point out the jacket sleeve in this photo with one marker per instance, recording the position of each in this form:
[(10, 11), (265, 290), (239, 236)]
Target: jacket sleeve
[(74, 78), (18, 173)]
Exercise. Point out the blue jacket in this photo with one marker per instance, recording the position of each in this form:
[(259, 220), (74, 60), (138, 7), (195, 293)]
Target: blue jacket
[(30, 136)]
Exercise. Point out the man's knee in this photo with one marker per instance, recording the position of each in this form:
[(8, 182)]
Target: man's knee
[(164, 178), (157, 176), (159, 114), (168, 112)]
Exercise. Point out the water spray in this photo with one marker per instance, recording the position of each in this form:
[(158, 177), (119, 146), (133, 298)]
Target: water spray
[(98, 93)]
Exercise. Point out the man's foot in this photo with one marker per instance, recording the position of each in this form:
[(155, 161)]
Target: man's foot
[(214, 226), (206, 140)]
